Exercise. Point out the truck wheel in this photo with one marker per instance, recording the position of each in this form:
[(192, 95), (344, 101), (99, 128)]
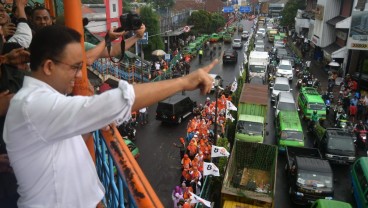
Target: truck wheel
[(179, 120)]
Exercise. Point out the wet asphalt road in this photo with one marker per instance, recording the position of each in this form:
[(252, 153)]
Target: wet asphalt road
[(160, 160)]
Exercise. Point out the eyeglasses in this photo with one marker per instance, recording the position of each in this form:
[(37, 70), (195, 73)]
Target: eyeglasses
[(76, 67)]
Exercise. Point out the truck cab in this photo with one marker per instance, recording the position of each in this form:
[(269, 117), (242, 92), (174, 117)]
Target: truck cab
[(336, 145), (257, 64), (310, 176)]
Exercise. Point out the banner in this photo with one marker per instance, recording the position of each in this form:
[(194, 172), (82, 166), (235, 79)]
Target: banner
[(229, 116), (195, 199), (234, 86), (210, 169), (219, 152), (230, 106)]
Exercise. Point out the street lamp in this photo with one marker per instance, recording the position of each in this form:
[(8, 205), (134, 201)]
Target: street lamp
[(217, 85)]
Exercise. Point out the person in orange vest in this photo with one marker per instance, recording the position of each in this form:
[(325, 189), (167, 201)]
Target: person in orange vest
[(186, 162), (192, 149), (186, 194), (185, 176)]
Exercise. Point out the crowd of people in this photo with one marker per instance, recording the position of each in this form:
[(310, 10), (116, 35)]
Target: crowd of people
[(195, 148), (44, 161)]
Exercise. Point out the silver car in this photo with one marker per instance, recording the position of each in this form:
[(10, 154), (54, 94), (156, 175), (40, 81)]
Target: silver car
[(236, 43)]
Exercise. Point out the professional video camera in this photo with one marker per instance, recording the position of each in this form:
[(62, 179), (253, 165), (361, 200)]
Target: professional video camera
[(129, 21)]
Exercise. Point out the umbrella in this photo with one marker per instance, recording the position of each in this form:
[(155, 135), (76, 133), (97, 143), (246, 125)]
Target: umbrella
[(158, 52), (333, 63)]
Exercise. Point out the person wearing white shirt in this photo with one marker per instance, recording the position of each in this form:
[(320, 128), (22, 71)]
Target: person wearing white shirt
[(43, 126)]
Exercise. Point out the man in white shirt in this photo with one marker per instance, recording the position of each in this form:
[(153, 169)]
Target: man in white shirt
[(43, 128)]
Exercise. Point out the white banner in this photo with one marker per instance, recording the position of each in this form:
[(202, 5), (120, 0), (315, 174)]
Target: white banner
[(219, 151), (229, 116), (210, 169), (234, 85), (195, 199), (230, 106)]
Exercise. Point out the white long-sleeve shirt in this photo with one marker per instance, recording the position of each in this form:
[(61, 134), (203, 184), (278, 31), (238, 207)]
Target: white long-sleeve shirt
[(22, 35), (43, 136)]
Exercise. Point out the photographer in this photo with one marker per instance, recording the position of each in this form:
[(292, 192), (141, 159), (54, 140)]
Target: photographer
[(100, 50)]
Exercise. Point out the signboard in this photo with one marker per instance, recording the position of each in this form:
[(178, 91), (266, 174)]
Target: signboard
[(144, 40), (167, 57), (228, 9), (245, 9), (358, 34)]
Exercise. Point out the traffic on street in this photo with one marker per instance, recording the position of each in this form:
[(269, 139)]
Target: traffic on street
[(160, 159)]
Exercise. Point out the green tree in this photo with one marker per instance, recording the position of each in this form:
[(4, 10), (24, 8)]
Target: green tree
[(289, 12), (205, 22), (152, 23)]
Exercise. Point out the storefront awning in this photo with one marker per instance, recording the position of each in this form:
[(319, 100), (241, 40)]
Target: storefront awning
[(341, 53), (335, 20), (335, 51), (344, 24)]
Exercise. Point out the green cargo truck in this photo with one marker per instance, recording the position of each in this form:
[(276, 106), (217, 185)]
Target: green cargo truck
[(250, 177), (252, 113)]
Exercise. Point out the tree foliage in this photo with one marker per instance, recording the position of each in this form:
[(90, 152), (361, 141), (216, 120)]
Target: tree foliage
[(205, 22), (289, 12), (152, 23)]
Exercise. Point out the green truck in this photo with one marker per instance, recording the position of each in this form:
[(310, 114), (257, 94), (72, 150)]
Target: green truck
[(250, 177), (252, 113)]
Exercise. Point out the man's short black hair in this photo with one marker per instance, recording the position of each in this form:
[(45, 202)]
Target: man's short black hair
[(39, 8), (50, 43)]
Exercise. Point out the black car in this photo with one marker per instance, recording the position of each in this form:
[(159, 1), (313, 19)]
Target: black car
[(281, 52), (174, 109), (363, 82), (230, 55)]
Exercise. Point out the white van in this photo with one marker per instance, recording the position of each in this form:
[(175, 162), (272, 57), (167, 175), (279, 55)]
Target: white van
[(281, 85), (285, 69), (284, 102)]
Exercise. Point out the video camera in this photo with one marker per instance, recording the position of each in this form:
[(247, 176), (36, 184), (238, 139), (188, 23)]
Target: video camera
[(129, 21)]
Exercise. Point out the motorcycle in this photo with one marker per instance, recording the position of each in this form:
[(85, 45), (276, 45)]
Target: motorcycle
[(127, 130), (361, 138), (328, 106)]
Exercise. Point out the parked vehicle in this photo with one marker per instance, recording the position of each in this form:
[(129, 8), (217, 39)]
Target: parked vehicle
[(252, 113), (289, 130), (325, 203), (281, 84), (257, 64), (284, 102), (361, 131), (250, 177), (336, 145), (214, 37), (237, 43), (245, 35), (230, 55), (310, 176), (284, 69), (226, 38), (174, 109), (308, 101), (359, 179), (271, 35)]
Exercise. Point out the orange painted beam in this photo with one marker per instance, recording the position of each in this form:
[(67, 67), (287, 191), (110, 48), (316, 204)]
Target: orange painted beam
[(138, 184), (49, 4), (73, 19)]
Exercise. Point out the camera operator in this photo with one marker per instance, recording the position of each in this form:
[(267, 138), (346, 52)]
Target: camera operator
[(100, 51)]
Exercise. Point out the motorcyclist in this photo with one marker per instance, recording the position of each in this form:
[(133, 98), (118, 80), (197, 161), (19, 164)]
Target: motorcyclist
[(360, 126), (200, 54), (314, 120)]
